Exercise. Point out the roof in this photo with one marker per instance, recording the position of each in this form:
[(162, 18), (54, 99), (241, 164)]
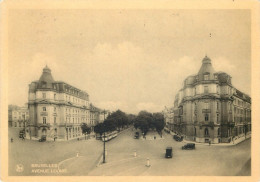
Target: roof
[(46, 77), (206, 68)]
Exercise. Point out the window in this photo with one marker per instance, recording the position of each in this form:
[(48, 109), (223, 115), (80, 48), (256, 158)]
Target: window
[(44, 95), (218, 131), (206, 132), (44, 108), (206, 105), (217, 89), (217, 106), (206, 77), (54, 96), (217, 118), (55, 120), (206, 117), (44, 120), (206, 89), (195, 132), (54, 109)]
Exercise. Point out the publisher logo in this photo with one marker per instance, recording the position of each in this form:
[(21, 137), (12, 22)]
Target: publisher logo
[(19, 168)]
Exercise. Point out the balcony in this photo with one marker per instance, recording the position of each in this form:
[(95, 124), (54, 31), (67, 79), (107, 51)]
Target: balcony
[(206, 110), (44, 125)]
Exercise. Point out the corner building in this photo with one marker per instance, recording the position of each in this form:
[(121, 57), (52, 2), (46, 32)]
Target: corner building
[(210, 108), (57, 109)]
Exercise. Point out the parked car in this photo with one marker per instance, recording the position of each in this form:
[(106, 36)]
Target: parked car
[(168, 152), (188, 146), (137, 135), (177, 138), (21, 134), (42, 139)]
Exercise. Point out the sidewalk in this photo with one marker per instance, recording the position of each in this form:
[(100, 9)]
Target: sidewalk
[(236, 140)]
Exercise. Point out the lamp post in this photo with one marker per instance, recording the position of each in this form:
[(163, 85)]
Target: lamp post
[(104, 152), (23, 122)]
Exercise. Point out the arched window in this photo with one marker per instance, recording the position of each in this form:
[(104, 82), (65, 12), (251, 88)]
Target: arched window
[(206, 132)]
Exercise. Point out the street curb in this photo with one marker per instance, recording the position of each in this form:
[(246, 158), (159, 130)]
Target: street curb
[(214, 144)]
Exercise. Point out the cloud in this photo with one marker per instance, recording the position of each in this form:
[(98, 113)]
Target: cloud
[(223, 64)]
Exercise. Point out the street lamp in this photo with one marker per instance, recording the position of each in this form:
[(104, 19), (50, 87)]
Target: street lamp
[(104, 152)]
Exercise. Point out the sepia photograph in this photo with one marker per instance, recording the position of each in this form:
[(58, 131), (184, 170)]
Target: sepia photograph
[(129, 92)]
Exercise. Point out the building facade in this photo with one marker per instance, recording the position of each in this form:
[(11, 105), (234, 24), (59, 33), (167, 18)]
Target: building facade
[(209, 108), (57, 109), (168, 114), (18, 117)]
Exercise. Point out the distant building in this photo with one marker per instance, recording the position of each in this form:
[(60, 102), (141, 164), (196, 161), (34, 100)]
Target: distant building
[(168, 115), (210, 108), (17, 116), (58, 109)]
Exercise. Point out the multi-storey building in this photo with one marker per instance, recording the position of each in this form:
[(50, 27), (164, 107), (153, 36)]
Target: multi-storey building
[(57, 109), (168, 115), (18, 116), (210, 108), (103, 115)]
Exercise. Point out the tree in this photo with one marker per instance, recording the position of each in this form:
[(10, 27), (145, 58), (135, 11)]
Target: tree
[(85, 129), (131, 118), (99, 128), (158, 122), (143, 121), (119, 118)]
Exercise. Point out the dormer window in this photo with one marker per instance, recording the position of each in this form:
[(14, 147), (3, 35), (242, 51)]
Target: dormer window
[(206, 77)]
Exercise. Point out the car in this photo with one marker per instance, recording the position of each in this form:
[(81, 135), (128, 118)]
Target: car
[(21, 134), (137, 135), (188, 146), (42, 139), (168, 152), (177, 138)]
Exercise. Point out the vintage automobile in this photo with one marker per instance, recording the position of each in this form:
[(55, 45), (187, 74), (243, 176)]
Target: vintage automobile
[(168, 152), (42, 139), (177, 138), (188, 146), (137, 135), (21, 134)]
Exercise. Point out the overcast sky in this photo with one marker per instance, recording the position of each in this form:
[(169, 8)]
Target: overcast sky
[(128, 59)]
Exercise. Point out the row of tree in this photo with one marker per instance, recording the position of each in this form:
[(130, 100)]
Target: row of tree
[(118, 120), (115, 121), (145, 121)]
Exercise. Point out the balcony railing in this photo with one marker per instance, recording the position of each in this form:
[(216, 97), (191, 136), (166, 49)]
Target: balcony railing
[(44, 125), (206, 110)]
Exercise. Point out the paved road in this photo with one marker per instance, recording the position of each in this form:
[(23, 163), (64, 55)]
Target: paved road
[(204, 161)]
